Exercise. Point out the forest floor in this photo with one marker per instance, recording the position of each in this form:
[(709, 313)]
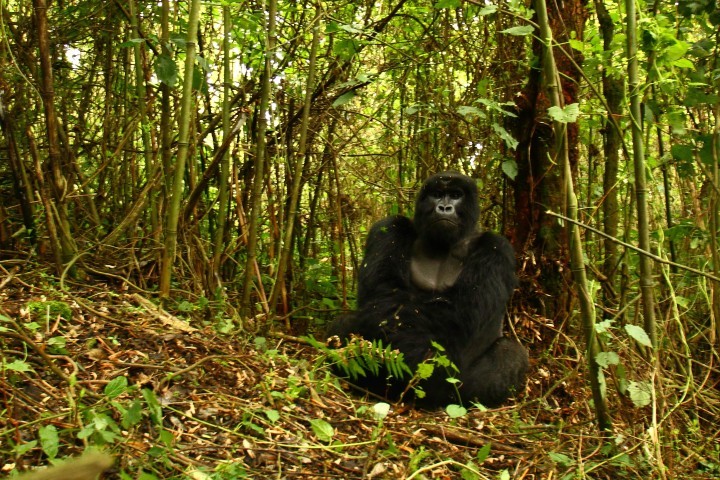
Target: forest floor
[(170, 397)]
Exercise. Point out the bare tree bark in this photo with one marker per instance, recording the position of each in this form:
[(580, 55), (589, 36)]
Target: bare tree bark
[(173, 214), (551, 79), (60, 183), (251, 267), (296, 169), (646, 281)]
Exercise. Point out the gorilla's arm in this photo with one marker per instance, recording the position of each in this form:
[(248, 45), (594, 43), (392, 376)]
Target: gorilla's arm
[(484, 288), (385, 266)]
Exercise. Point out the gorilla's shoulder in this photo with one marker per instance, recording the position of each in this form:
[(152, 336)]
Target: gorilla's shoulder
[(488, 242), (394, 225)]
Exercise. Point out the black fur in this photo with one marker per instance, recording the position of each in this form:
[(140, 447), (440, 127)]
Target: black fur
[(437, 279)]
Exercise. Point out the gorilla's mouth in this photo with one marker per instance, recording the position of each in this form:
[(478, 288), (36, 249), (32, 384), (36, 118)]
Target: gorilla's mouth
[(445, 220)]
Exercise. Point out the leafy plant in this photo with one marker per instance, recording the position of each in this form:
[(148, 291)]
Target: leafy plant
[(359, 356), (49, 309)]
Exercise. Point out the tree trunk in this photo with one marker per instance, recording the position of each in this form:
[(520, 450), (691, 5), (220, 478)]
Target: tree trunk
[(539, 182), (61, 184)]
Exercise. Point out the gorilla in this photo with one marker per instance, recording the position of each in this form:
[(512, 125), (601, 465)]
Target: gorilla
[(433, 280)]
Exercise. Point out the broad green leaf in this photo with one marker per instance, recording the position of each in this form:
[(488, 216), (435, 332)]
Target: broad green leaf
[(684, 63), (350, 29), (639, 335), (682, 152), (346, 48), (344, 98), (568, 114), (116, 387), (640, 393), (412, 109), (510, 168), (676, 51), (381, 410), (506, 136), (132, 415), (166, 69), (425, 370), (167, 437), (272, 415), (483, 452), (153, 405), (469, 472), (23, 448), (467, 111), (604, 359), (577, 44), (322, 429), (332, 27), (520, 31), (561, 459), (455, 411), (488, 10), (49, 440), (447, 4), (19, 366), (131, 43)]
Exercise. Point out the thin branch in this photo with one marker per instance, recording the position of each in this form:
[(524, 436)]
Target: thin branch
[(634, 248)]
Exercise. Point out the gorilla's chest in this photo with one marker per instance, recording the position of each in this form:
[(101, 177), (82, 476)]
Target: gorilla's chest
[(436, 272)]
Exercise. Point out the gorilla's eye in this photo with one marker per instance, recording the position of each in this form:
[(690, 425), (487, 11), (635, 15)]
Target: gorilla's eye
[(455, 194)]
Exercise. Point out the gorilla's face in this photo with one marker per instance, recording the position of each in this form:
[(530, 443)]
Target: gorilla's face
[(446, 209)]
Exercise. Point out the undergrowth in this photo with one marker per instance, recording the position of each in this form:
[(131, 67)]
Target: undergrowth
[(169, 402)]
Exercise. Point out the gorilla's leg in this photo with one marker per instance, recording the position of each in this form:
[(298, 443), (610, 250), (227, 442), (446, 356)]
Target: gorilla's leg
[(496, 375)]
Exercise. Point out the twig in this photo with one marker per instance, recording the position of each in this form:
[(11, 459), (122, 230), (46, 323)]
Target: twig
[(634, 248)]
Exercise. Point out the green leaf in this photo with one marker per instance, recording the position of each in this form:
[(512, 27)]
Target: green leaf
[(147, 476), (19, 366), (483, 452), (381, 410), (506, 136), (577, 44), (116, 387), (153, 406), (447, 4), (272, 415), (604, 359), (346, 48), (49, 440), (603, 327), (425, 370), (682, 152), (132, 415), (455, 411), (510, 168), (676, 51), (167, 437), (467, 111), (23, 448), (488, 10), (520, 31), (166, 69), (683, 63), (469, 472), (322, 429), (639, 335), (57, 342), (344, 98), (569, 114), (640, 393), (131, 43), (561, 459)]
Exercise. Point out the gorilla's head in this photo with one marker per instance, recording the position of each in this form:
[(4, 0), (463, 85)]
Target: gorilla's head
[(446, 208)]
